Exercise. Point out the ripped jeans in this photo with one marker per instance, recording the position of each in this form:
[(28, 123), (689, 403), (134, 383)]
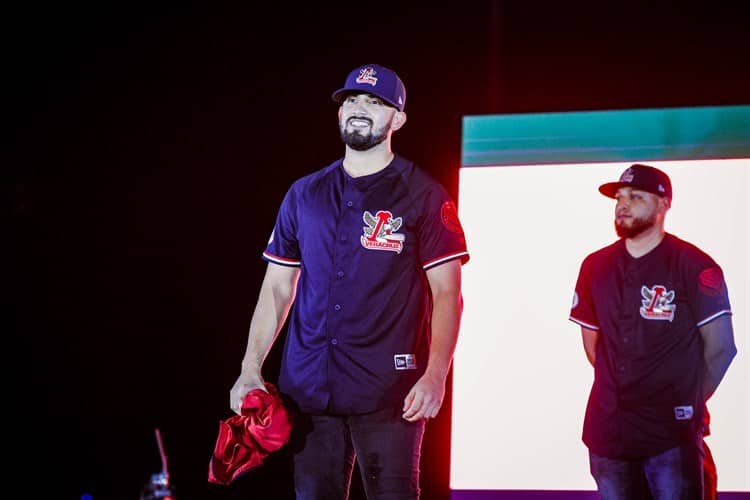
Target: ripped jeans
[(385, 446)]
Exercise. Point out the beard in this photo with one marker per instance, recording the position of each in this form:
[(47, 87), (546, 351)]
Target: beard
[(636, 227), (359, 141)]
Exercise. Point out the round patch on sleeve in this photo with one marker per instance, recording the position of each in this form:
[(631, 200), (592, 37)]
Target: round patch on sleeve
[(711, 281), (449, 217)]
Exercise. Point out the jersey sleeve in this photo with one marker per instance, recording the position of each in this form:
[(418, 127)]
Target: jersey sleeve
[(283, 246), (441, 236), (582, 309), (707, 291)]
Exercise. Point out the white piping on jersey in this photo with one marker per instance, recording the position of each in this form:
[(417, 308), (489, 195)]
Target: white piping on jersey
[(713, 317), (585, 325), (440, 260)]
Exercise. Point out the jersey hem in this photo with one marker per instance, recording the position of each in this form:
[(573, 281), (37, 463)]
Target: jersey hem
[(583, 323), (464, 256), (280, 260), (713, 317)]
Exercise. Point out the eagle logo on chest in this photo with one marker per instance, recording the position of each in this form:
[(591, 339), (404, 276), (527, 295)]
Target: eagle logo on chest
[(657, 303), (380, 232)]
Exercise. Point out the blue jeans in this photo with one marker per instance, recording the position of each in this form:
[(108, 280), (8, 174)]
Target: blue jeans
[(386, 447), (674, 474)]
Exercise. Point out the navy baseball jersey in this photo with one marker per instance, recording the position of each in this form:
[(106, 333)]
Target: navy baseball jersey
[(647, 396), (358, 333)]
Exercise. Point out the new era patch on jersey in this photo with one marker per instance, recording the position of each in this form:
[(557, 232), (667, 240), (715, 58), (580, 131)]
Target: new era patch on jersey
[(405, 361), (683, 412)]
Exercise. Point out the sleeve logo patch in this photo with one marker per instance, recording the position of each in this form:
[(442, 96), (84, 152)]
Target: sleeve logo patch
[(711, 281), (449, 217)]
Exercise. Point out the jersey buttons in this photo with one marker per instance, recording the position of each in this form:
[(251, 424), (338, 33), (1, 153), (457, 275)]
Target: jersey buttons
[(337, 307)]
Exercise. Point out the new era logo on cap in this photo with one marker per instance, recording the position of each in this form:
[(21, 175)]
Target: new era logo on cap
[(376, 80)]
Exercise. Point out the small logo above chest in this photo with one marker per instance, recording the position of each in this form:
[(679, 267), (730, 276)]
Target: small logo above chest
[(657, 303), (380, 232)]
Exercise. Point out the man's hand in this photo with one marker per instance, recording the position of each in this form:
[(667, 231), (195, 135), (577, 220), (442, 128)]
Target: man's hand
[(245, 383), (424, 399)]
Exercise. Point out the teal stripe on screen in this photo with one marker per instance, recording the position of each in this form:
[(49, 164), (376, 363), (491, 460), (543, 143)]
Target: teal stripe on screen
[(606, 136)]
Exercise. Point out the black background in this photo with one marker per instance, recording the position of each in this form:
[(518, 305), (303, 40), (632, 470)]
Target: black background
[(148, 151)]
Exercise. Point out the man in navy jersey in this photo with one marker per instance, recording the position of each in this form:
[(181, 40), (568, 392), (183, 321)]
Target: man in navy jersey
[(369, 250), (656, 324)]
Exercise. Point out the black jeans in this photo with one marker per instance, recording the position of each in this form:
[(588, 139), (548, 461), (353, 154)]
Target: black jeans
[(386, 447), (674, 474)]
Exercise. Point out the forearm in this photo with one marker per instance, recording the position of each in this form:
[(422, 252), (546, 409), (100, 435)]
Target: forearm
[(719, 350), (275, 299), (446, 318), (716, 365), (590, 338)]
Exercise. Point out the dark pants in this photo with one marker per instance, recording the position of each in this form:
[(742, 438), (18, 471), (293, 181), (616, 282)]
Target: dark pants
[(386, 447), (674, 474)]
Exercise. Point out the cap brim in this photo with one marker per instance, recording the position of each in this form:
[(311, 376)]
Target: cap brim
[(339, 95), (610, 189)]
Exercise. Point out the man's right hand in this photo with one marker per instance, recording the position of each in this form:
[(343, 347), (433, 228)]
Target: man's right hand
[(245, 383)]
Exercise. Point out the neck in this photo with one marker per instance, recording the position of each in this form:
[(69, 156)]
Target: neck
[(375, 159), (646, 241)]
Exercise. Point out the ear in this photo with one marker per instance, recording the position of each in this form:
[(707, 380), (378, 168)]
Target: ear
[(340, 109), (399, 119)]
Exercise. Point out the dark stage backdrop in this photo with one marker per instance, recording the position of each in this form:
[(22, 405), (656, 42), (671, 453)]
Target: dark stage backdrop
[(149, 149)]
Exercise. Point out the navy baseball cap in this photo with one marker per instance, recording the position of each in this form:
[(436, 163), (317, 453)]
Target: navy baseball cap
[(643, 177), (376, 80)]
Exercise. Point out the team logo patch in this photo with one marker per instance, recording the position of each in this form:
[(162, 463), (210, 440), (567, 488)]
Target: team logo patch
[(379, 234), (575, 300), (367, 75), (627, 176), (711, 281), (405, 361), (683, 412), (449, 217), (657, 303)]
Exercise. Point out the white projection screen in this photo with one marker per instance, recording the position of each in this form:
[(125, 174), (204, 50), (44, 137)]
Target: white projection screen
[(521, 378)]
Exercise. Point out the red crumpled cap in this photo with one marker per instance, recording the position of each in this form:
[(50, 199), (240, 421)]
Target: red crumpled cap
[(245, 440)]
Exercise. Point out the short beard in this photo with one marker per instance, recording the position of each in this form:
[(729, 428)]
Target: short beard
[(362, 142), (638, 226)]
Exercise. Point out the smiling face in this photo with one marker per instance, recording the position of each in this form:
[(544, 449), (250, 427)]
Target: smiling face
[(637, 211), (366, 120)]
